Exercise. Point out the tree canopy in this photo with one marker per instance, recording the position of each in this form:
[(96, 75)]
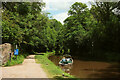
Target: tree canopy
[(86, 32)]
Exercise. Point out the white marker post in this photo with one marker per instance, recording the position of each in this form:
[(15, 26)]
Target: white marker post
[(16, 46)]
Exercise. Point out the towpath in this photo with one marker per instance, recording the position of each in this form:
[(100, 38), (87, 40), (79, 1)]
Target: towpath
[(29, 69)]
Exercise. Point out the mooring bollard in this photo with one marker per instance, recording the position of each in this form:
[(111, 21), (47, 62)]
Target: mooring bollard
[(63, 74)]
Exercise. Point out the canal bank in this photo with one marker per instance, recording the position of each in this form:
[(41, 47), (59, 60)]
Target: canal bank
[(51, 69)]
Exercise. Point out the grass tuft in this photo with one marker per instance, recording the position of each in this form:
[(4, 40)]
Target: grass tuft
[(14, 61)]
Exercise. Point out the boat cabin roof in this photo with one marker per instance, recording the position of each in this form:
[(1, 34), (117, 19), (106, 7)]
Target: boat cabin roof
[(67, 56)]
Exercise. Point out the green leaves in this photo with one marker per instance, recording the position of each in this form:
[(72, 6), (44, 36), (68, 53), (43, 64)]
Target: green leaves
[(24, 24), (21, 26), (51, 34), (79, 24), (77, 8)]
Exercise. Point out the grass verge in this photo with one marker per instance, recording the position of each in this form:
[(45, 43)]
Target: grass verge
[(51, 69), (14, 61)]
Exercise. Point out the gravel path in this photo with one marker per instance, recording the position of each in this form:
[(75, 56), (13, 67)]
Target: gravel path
[(29, 69)]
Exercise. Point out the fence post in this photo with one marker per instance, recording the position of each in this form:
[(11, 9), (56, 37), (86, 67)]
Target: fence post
[(10, 57)]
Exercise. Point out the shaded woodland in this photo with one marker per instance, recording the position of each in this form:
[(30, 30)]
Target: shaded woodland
[(89, 33)]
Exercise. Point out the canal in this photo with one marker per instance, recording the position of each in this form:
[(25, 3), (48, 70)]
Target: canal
[(91, 69)]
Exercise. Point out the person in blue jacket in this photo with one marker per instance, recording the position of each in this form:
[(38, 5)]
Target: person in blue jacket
[(63, 59)]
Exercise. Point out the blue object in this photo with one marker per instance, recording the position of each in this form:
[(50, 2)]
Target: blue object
[(63, 60), (16, 51)]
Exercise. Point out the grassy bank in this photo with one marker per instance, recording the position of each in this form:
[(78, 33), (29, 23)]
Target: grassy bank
[(15, 61), (51, 69)]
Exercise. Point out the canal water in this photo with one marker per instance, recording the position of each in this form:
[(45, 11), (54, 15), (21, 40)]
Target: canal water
[(91, 69)]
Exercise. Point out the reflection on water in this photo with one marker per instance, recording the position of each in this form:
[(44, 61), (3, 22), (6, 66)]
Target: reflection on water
[(66, 68), (90, 69)]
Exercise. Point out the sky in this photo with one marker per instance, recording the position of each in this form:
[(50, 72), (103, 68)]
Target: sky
[(58, 9)]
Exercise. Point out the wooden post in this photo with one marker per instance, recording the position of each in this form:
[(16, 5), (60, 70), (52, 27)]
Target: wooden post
[(10, 57), (16, 57)]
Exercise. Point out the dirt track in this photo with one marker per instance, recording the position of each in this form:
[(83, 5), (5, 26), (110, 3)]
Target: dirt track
[(29, 69)]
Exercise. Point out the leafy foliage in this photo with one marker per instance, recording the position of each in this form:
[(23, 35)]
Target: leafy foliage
[(86, 32)]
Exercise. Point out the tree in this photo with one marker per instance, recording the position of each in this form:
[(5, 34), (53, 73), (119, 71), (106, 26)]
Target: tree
[(20, 25), (78, 25), (108, 26), (102, 11)]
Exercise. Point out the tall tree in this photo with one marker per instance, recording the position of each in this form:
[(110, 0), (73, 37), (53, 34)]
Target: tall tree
[(79, 24)]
